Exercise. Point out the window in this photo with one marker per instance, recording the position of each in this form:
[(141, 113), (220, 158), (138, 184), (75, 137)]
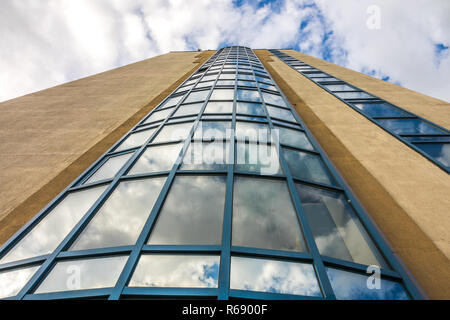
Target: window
[(213, 130), (439, 151), (157, 158), (263, 216), (109, 168), (248, 95), (12, 281), (335, 227), (409, 126), (206, 156), (181, 271), (192, 213), (252, 131), (159, 115), (339, 87), (349, 285), (353, 95), (273, 276), (173, 101), (280, 113), (306, 166), (93, 273), (188, 109), (219, 107), (250, 108), (122, 217), (273, 99), (54, 227), (259, 158), (136, 139), (294, 138), (380, 110), (173, 132), (222, 94), (195, 96)]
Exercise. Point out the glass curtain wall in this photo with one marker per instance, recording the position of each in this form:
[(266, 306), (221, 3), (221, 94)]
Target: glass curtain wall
[(220, 192)]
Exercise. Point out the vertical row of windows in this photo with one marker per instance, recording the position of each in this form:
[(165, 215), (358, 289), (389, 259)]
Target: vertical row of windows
[(422, 135), (219, 192)]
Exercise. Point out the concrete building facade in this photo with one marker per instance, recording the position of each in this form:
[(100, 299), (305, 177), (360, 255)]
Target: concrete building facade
[(55, 141)]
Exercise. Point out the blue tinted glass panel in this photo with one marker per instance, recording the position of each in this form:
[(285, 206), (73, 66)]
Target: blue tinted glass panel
[(409, 126), (307, 166), (439, 151), (380, 110), (354, 286), (273, 276)]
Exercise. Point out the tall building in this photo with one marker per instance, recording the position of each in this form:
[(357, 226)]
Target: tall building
[(235, 173)]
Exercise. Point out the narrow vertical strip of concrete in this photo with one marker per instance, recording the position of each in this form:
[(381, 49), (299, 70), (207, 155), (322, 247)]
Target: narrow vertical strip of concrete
[(49, 138), (405, 194)]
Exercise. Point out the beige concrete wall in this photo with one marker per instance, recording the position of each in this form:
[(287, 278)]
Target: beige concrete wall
[(49, 137), (425, 106), (404, 193)]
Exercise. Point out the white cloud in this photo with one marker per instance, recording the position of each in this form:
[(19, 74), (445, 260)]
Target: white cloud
[(51, 42)]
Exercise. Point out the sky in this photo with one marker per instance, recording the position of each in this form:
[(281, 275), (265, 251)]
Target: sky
[(46, 43)]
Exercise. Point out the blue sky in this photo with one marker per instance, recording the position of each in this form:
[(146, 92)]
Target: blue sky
[(46, 43)]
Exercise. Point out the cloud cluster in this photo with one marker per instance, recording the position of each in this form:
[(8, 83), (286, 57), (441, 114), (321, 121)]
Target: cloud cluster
[(51, 42)]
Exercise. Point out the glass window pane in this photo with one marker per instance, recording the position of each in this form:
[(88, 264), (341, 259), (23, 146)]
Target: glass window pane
[(171, 102), (121, 218), (12, 281), (192, 212), (380, 110), (213, 130), (273, 99), (54, 227), (307, 166), (353, 286), (336, 228), (188, 109), (195, 96), (280, 113), (222, 94), (181, 271), (248, 95), (225, 82), (353, 95), (294, 138), (260, 158), (273, 276), (219, 107), (250, 108), (409, 126), (157, 158), (325, 79), (252, 131), (267, 86), (174, 132), (204, 84), (227, 76), (264, 217), (206, 156), (109, 168), (339, 87), (439, 151), (136, 139), (246, 77), (83, 274), (159, 115)]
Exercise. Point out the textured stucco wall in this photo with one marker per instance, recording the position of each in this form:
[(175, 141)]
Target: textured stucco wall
[(50, 137), (405, 194)]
